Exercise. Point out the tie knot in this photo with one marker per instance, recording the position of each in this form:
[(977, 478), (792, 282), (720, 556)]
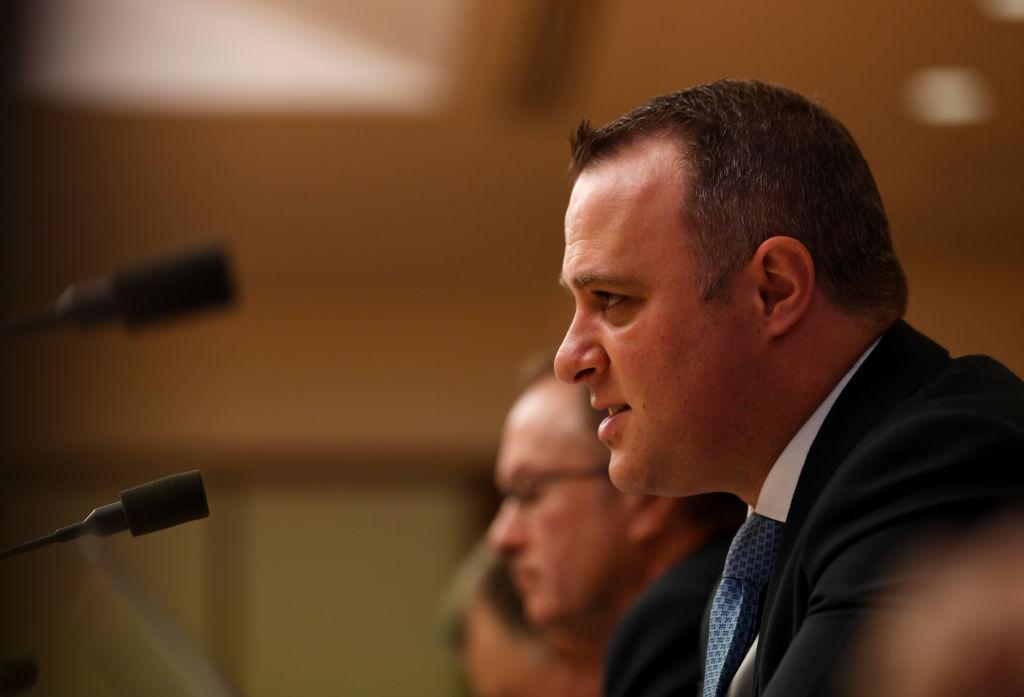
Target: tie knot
[(752, 553)]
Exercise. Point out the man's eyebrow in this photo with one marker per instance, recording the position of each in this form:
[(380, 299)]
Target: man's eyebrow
[(587, 280)]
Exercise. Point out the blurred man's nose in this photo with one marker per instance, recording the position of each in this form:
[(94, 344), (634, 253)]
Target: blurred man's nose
[(505, 536)]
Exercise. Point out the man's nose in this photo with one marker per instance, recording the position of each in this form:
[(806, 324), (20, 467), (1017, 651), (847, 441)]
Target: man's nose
[(580, 357), (505, 536)]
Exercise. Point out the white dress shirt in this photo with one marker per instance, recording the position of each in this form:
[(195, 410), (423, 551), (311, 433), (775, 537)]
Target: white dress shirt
[(777, 495)]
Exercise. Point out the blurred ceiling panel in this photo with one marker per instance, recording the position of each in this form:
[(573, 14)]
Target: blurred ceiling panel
[(174, 56)]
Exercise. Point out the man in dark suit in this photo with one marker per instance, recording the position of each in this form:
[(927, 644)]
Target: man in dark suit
[(655, 650), (584, 556), (738, 307)]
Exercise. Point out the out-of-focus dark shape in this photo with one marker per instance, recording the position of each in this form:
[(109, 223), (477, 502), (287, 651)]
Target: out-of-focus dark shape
[(12, 21), (155, 289), (961, 631), (18, 675), (558, 35), (160, 504)]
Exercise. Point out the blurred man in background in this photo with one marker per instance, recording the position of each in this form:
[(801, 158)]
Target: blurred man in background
[(738, 307), (961, 632), (500, 653), (582, 553)]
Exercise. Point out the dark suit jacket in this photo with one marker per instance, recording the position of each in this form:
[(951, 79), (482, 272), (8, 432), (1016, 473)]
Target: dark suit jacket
[(916, 443), (655, 648)]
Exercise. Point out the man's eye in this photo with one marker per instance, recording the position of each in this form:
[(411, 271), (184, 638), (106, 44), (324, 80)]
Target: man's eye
[(529, 497), (525, 495), (608, 299)]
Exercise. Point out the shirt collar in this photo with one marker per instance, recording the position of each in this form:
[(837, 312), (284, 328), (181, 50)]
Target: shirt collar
[(777, 491)]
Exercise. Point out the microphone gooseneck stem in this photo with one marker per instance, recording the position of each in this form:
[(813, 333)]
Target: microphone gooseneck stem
[(36, 321), (29, 546), (103, 521)]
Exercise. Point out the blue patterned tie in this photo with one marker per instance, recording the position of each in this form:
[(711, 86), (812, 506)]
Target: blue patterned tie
[(734, 612)]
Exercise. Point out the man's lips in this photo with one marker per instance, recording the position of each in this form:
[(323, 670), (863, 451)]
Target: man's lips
[(522, 578), (612, 423)]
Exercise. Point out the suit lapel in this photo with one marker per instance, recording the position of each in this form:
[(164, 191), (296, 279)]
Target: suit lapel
[(903, 361)]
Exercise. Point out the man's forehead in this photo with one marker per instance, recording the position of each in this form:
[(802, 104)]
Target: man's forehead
[(624, 191), (601, 263), (642, 163), (619, 208)]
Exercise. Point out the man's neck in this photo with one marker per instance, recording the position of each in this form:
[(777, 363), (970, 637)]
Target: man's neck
[(807, 366), (580, 653)]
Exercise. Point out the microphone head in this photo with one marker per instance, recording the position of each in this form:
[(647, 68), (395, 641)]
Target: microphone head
[(148, 291), (165, 502), (172, 285)]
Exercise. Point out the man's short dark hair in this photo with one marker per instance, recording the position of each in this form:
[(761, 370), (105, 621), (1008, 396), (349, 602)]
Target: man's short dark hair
[(761, 161)]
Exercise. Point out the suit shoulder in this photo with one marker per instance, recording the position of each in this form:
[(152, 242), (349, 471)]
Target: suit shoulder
[(950, 455), (980, 382), (973, 396)]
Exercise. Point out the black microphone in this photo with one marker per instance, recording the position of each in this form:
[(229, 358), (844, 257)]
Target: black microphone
[(144, 292), (143, 509)]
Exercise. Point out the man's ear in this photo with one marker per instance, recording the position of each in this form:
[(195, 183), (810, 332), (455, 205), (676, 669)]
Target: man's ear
[(649, 516), (781, 273)]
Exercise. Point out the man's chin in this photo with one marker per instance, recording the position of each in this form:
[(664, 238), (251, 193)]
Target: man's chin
[(626, 475), (633, 474), (540, 615)]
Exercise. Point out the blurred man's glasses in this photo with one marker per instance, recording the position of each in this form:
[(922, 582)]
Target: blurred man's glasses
[(526, 487)]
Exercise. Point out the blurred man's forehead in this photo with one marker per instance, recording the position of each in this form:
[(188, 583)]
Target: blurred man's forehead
[(547, 429), (546, 394), (521, 459)]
